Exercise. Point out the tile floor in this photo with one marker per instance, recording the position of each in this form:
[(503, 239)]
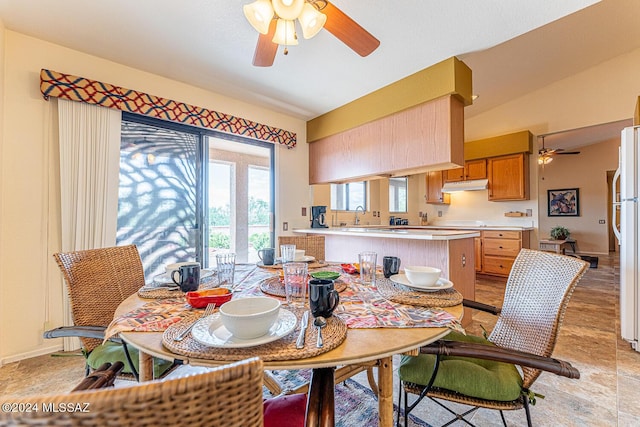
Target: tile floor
[(607, 394)]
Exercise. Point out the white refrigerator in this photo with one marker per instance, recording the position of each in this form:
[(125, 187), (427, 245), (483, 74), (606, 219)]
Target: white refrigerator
[(629, 233)]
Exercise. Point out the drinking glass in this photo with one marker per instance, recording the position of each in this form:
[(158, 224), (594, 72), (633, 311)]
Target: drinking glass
[(287, 253), (367, 267), (295, 283), (226, 266)]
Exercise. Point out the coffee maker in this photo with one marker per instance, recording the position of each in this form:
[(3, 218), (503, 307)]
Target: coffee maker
[(318, 217)]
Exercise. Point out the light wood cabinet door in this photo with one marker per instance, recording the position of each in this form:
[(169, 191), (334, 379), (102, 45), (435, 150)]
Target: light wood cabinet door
[(454, 175), (434, 181), (475, 169), (508, 177)]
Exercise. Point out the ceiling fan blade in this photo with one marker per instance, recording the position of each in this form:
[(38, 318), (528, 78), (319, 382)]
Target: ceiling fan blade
[(349, 31), (266, 50), (568, 152)]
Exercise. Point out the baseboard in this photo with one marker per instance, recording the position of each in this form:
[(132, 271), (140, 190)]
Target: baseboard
[(28, 355)]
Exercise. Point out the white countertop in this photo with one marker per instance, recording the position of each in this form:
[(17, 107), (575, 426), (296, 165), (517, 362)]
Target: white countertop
[(392, 232)]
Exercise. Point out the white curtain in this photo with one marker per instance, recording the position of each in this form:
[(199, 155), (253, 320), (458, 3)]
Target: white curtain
[(89, 169)]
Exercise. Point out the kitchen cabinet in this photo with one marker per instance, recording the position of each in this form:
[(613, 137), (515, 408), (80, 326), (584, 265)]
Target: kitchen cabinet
[(407, 142), (434, 195), (473, 169), (499, 250), (508, 177)]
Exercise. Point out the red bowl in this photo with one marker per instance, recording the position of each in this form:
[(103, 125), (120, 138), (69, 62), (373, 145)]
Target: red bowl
[(349, 268), (200, 299)]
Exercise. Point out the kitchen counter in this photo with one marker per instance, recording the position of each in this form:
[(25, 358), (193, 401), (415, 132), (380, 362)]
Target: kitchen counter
[(452, 251), (400, 232), (478, 227)]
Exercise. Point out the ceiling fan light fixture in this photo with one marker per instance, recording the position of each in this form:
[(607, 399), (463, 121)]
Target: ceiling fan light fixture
[(288, 9), (259, 14), (544, 159), (285, 33), (311, 20)]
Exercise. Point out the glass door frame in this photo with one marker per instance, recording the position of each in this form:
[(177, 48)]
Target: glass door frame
[(202, 166)]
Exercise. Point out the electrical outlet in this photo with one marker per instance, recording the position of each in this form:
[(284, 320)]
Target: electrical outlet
[(285, 226), (439, 214), (304, 211), (529, 212), (601, 221)]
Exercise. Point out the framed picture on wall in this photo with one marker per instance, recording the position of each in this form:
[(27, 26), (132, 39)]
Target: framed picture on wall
[(564, 202)]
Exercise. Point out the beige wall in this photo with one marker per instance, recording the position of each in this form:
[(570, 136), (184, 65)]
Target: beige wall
[(2, 200), (586, 171), (30, 284)]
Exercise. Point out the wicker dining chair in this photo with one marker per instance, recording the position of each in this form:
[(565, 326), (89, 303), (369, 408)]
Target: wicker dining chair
[(98, 280), (312, 245), (229, 396), (482, 372)]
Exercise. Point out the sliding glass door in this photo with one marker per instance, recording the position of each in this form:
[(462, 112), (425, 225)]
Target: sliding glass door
[(186, 194)]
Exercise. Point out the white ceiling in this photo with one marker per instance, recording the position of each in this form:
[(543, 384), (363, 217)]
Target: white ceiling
[(512, 46)]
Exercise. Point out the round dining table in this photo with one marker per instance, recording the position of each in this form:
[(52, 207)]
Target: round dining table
[(361, 348)]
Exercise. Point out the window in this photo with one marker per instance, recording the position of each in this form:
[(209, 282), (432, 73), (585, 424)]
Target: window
[(176, 178), (398, 194), (347, 197)]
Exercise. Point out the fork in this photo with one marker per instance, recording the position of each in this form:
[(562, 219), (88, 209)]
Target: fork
[(207, 312)]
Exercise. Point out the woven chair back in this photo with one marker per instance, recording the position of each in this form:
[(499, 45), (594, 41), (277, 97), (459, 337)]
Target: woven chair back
[(536, 296), (312, 245), (229, 396), (98, 280)]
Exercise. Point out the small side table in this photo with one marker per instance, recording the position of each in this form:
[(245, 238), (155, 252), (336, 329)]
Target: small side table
[(558, 246)]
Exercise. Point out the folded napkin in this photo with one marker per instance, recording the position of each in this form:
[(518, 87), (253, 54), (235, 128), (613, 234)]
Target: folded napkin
[(157, 315)]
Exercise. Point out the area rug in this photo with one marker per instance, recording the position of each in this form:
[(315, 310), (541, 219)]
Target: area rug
[(356, 405)]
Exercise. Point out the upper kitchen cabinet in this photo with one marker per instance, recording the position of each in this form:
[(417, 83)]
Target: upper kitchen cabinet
[(473, 169), (411, 126), (434, 183), (508, 177)]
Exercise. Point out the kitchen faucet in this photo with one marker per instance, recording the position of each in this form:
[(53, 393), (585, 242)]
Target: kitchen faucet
[(357, 220)]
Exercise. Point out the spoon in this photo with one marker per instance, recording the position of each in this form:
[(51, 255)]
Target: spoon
[(320, 322)]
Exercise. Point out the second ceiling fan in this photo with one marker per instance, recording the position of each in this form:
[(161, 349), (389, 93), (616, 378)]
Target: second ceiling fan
[(275, 21), (545, 155)]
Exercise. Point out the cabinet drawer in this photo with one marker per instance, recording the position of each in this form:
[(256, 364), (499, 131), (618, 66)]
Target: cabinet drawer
[(501, 247), (495, 234), (497, 265)]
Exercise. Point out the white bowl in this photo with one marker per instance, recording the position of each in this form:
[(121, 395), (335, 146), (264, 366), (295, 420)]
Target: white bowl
[(248, 318), (299, 255), (424, 276)]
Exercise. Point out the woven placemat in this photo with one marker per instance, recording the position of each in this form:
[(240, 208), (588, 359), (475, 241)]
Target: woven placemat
[(274, 286), (404, 295), (283, 349), (156, 292)]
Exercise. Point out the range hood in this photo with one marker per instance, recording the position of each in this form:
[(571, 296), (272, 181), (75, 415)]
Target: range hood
[(472, 185)]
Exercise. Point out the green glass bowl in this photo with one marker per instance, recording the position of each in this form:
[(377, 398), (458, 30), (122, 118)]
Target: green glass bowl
[(327, 275)]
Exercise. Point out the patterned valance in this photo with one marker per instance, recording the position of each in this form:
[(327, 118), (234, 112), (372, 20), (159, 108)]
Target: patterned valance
[(81, 89)]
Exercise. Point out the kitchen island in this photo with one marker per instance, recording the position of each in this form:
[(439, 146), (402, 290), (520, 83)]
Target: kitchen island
[(452, 251)]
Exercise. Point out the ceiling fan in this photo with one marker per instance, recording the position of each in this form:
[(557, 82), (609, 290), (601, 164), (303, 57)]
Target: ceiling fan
[(545, 155), (275, 21)]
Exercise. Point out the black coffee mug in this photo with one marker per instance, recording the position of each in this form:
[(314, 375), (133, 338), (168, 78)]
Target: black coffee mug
[(323, 298), (267, 255), (390, 266), (188, 277)]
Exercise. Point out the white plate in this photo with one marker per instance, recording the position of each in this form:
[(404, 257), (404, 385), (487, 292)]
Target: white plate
[(442, 283), (165, 279), (306, 258), (211, 332)]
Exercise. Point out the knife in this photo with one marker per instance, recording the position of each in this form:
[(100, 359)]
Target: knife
[(303, 329)]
